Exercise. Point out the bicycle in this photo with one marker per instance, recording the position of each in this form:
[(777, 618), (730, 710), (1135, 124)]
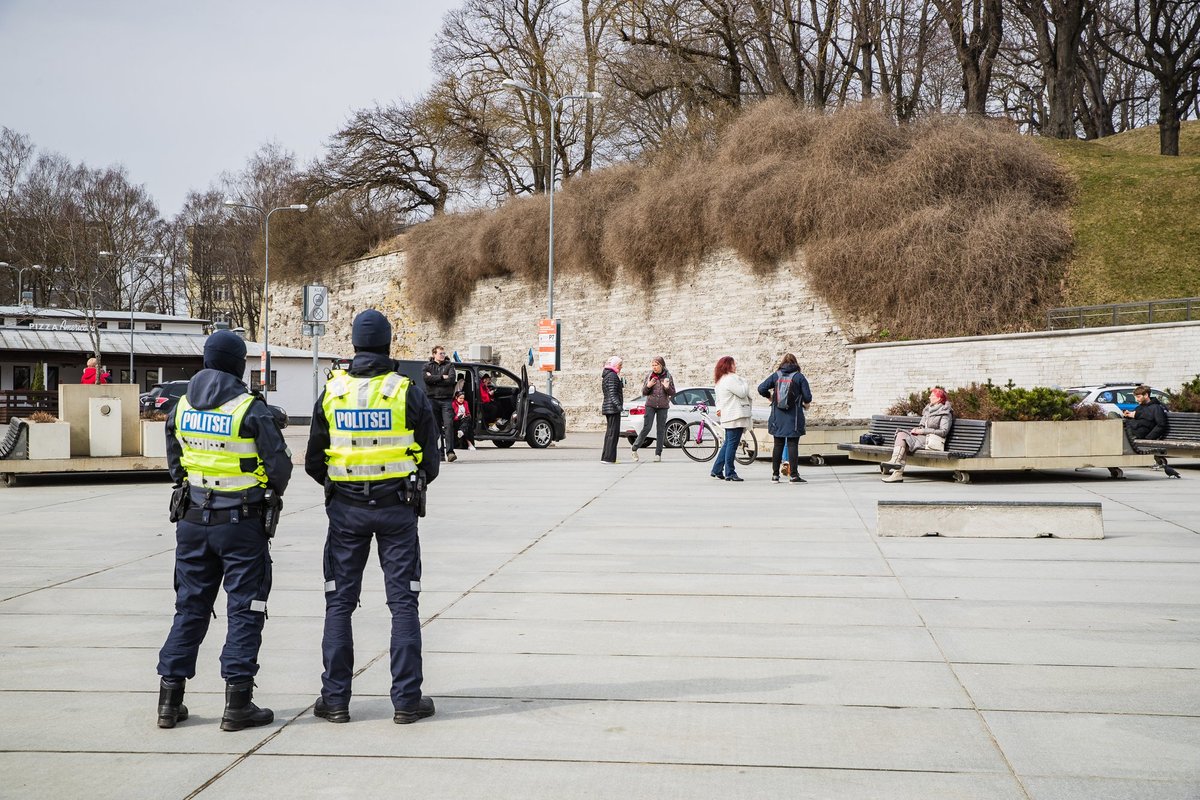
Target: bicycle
[(704, 439)]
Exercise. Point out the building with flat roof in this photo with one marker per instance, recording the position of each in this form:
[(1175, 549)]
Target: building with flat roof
[(56, 343)]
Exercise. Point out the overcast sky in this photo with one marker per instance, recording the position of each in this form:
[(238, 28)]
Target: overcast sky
[(180, 90)]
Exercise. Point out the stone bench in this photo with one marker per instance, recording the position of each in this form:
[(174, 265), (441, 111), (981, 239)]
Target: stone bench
[(990, 519)]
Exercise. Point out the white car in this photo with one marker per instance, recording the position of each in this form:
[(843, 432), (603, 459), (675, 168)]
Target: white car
[(681, 413), (1114, 398)]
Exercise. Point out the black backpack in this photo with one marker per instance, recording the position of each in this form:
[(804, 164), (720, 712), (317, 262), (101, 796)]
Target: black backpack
[(785, 388)]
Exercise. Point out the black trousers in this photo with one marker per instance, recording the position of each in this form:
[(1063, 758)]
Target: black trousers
[(793, 444), (658, 418), (611, 434), (443, 414)]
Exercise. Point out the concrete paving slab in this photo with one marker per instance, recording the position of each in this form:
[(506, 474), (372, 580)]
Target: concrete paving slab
[(453, 779), (656, 732), (1099, 745), (514, 579), (1094, 616), (1040, 788), (597, 563), (108, 776), (694, 608), (1110, 690), (1063, 590), (1160, 647), (1045, 570), (711, 680), (733, 640)]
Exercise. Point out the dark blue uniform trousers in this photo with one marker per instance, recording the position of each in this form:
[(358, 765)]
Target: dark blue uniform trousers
[(346, 550), (204, 554)]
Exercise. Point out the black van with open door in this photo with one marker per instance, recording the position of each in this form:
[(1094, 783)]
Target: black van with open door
[(518, 411)]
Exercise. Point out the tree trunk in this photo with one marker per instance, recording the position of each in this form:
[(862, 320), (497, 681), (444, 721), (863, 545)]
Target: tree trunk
[(1168, 123)]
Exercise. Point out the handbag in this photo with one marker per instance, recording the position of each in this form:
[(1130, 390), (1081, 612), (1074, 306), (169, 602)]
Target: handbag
[(871, 438), (935, 442)]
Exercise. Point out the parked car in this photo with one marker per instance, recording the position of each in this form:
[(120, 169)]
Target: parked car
[(162, 396), (534, 417), (1113, 398), (681, 413)]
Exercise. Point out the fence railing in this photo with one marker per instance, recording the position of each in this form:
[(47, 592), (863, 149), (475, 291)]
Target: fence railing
[(23, 402), (1182, 309)]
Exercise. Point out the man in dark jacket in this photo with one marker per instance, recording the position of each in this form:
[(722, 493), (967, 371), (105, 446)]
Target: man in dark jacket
[(373, 435), (226, 444), (440, 380), (1149, 419)]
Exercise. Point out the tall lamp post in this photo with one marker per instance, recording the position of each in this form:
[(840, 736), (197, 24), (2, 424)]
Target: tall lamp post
[(265, 369), (134, 260), (553, 105), (20, 275)]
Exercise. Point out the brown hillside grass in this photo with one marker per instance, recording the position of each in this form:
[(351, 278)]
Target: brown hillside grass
[(945, 227)]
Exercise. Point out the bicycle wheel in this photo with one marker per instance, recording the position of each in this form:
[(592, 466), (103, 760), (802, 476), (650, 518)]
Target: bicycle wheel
[(701, 442), (747, 448)]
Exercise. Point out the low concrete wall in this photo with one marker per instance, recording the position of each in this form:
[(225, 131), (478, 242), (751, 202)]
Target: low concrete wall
[(990, 520), (73, 401), (1162, 355)]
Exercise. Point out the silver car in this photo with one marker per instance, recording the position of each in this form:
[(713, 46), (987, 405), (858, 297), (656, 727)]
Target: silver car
[(681, 414)]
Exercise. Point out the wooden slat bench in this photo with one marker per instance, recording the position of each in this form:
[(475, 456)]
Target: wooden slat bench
[(1182, 439), (979, 446)]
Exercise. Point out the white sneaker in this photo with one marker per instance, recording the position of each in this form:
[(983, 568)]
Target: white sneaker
[(635, 455), (894, 477), (658, 458), (471, 447)]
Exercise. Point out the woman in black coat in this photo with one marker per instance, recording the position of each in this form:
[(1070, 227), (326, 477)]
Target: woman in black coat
[(786, 424), (614, 401)]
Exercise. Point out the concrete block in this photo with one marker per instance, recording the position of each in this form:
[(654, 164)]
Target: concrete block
[(990, 519), (73, 399), (104, 425), (154, 439), (49, 440)]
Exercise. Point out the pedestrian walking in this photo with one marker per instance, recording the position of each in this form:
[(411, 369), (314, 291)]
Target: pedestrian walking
[(789, 393), (734, 411), (613, 391), (230, 465), (658, 388), (373, 445), (440, 380)]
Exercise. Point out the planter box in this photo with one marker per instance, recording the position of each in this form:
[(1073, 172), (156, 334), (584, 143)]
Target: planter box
[(1103, 437), (154, 439), (49, 440)]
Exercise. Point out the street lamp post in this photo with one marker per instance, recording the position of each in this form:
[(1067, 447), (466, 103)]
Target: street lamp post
[(553, 105), (265, 369), (20, 275), (134, 260)]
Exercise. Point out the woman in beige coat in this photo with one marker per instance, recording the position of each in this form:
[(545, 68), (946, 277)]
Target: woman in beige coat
[(733, 407)]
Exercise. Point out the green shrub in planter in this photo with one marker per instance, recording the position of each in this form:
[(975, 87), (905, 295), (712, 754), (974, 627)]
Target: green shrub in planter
[(1009, 403), (1187, 398)]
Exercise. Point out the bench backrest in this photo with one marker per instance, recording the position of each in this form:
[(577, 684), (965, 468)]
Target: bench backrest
[(966, 435), (1183, 425)]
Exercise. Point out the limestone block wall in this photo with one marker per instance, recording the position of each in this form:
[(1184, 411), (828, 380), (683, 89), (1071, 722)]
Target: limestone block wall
[(1162, 355), (722, 309)]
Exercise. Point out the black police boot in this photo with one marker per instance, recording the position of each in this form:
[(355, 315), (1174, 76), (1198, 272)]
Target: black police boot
[(170, 702), (240, 712), (406, 716), (331, 713)]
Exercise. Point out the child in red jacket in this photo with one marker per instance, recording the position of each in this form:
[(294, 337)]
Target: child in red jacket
[(464, 424)]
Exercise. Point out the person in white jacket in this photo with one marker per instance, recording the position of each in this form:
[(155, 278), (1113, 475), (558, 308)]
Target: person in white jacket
[(733, 408)]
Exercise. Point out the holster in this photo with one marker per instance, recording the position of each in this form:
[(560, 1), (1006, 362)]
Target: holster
[(272, 509), (329, 492), (181, 500), (415, 492)]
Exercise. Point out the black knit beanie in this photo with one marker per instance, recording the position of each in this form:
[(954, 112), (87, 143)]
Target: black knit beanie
[(225, 350), (372, 333)]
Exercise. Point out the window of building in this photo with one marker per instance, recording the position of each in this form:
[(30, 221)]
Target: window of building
[(221, 294), (102, 325), (256, 380), (154, 326), (22, 377), (123, 325)]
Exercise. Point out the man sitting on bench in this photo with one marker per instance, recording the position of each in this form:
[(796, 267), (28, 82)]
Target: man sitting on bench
[(1148, 420), (931, 434)]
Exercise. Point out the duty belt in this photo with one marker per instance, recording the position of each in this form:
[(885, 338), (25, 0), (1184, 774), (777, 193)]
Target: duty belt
[(383, 501), (222, 516)]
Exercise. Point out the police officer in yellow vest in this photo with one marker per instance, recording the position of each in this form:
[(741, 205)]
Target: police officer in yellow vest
[(373, 443), (225, 444)]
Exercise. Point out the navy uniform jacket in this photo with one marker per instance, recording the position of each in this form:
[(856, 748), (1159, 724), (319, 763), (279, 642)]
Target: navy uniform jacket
[(209, 388), (418, 419)]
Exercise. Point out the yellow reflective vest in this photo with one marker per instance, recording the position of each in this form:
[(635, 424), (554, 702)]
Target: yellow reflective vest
[(215, 454), (368, 435)]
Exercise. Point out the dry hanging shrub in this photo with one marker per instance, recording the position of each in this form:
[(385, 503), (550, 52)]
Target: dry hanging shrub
[(859, 140), (754, 211), (41, 417), (581, 215), (523, 236), (770, 130), (662, 231), (441, 264)]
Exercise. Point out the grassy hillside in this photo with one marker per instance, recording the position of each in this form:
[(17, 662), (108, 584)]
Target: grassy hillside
[(1135, 217)]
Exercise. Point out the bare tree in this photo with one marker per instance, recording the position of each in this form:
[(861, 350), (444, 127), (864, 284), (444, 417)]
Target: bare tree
[(1058, 27), (1161, 37), (976, 28)]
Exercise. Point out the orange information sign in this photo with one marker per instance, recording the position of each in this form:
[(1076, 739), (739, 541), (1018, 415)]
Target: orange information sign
[(548, 353)]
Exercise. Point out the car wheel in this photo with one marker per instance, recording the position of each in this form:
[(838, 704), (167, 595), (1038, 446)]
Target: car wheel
[(676, 433), (502, 443), (540, 434)]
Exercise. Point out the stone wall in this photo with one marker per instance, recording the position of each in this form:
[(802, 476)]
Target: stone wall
[(721, 309), (1162, 355)]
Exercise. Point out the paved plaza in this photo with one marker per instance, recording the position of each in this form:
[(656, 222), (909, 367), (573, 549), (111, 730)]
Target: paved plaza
[(633, 631)]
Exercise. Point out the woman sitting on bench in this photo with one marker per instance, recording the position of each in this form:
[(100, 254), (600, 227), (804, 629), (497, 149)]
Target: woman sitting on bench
[(931, 434)]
